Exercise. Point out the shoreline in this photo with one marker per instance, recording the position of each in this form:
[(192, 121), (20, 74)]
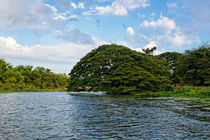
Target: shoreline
[(178, 95), (190, 94), (32, 90)]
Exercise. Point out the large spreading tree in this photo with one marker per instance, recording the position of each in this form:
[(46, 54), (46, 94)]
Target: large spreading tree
[(118, 70)]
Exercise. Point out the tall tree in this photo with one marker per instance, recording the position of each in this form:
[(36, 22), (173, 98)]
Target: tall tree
[(118, 70)]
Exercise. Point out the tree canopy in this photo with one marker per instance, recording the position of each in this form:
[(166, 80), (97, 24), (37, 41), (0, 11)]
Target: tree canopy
[(118, 70), (172, 60), (25, 77), (194, 66)]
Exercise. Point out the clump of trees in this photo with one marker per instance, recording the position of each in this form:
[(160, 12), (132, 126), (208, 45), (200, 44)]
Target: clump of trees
[(190, 68), (194, 66), (119, 70), (27, 77)]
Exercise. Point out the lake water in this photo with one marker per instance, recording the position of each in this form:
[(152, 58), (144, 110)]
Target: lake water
[(60, 116)]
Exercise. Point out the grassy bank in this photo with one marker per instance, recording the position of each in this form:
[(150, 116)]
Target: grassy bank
[(183, 92), (32, 90)]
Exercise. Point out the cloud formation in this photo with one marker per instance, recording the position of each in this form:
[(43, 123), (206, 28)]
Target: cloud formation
[(194, 16), (81, 5), (73, 5), (67, 54), (130, 32), (75, 36), (29, 14), (172, 5), (165, 33), (121, 7), (198, 11), (164, 23), (150, 45)]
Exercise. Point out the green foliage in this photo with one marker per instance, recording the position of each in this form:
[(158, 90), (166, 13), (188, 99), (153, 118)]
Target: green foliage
[(183, 91), (25, 77), (194, 67), (118, 70), (149, 51), (172, 60)]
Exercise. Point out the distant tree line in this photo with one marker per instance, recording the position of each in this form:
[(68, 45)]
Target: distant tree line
[(119, 70), (27, 77), (190, 68)]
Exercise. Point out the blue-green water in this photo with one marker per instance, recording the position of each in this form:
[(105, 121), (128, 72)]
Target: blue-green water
[(39, 116)]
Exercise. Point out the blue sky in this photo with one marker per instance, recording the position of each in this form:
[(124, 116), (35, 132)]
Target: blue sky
[(57, 33)]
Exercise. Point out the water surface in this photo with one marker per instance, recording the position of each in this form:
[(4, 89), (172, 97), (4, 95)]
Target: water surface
[(58, 116)]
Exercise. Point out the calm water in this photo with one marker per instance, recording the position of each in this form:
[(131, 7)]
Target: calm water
[(25, 116)]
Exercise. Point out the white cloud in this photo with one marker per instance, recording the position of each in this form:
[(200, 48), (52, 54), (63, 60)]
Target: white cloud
[(165, 33), (60, 17), (196, 14), (121, 7), (81, 5), (130, 32), (178, 39), (197, 11), (73, 5), (54, 10), (51, 55), (75, 36), (172, 5), (153, 14), (29, 14), (117, 10), (74, 17), (150, 45), (164, 23), (88, 13), (141, 15), (133, 4)]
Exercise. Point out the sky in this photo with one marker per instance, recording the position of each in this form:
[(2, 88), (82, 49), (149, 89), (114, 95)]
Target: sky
[(56, 34)]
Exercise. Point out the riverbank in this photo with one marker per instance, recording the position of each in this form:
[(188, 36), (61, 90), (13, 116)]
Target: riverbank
[(32, 90), (184, 92), (181, 92)]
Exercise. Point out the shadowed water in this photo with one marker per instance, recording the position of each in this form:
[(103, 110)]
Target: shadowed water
[(58, 116)]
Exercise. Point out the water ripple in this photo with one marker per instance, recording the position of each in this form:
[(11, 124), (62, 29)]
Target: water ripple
[(41, 116)]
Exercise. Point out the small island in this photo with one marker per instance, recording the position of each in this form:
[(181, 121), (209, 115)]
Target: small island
[(119, 70)]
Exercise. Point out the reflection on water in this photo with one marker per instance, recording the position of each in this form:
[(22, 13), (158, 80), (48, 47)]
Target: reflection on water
[(81, 116)]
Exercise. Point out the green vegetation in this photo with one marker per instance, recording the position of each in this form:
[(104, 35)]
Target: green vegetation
[(31, 90), (195, 66), (185, 91), (190, 68), (25, 78), (119, 70)]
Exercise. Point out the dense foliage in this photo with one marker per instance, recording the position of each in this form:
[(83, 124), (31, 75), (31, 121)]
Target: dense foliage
[(119, 70), (194, 66), (172, 60), (190, 68), (25, 77)]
